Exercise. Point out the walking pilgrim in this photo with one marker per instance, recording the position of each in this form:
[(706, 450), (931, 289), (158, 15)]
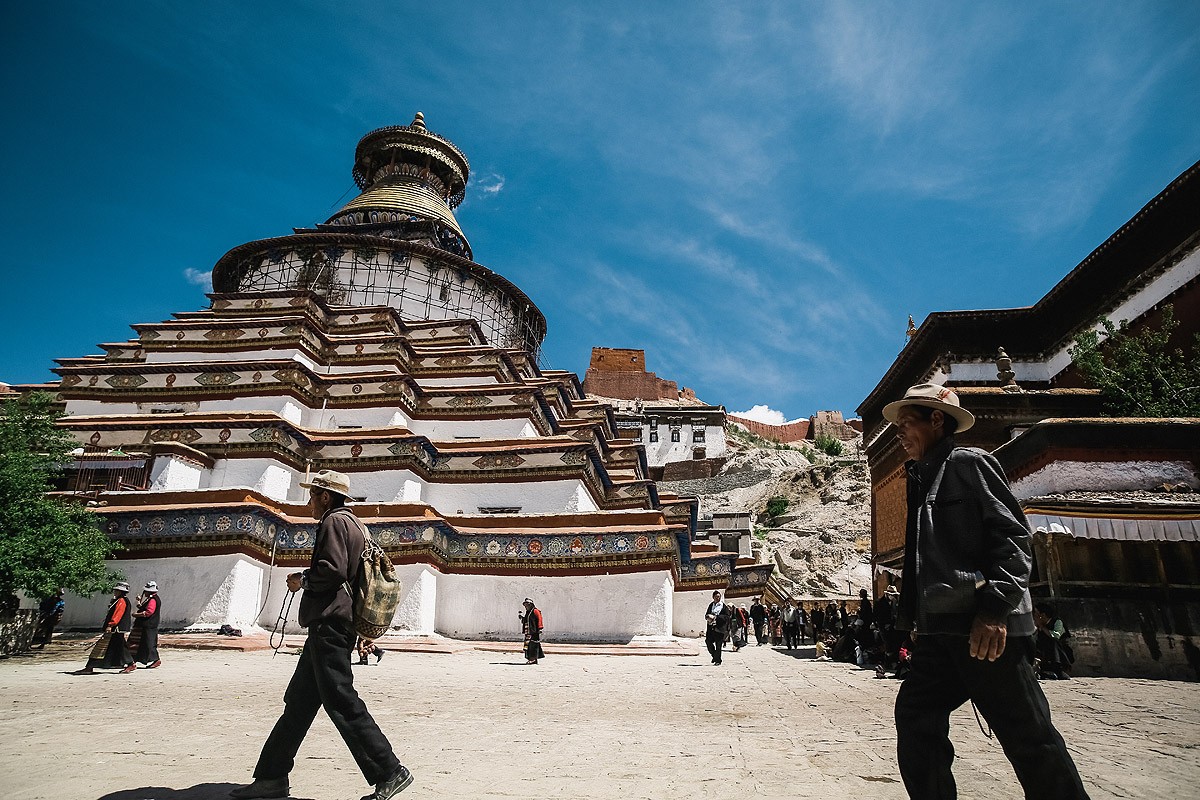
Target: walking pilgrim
[(965, 598), (143, 642), (532, 624), (111, 651), (323, 676)]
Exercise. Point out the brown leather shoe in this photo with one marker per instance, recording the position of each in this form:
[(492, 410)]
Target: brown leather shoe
[(155, 665)]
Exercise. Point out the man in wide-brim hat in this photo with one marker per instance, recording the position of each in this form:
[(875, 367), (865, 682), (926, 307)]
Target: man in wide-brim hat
[(323, 676), (965, 597)]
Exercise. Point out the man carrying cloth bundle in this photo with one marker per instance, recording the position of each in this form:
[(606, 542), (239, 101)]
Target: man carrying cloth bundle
[(965, 597)]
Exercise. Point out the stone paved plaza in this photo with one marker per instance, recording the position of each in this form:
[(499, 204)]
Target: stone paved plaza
[(478, 724)]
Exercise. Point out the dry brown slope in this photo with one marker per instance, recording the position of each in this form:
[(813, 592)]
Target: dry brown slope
[(821, 542)]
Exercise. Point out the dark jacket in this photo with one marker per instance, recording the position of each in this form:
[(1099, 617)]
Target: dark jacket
[(120, 614), (865, 612), (965, 529), (531, 623), (720, 624), (150, 622), (884, 614), (336, 560)]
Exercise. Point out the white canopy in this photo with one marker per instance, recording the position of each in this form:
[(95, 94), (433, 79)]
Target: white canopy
[(1119, 529)]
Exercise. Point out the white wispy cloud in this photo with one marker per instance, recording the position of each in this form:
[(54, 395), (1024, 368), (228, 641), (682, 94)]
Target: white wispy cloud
[(198, 277), (988, 109), (628, 298), (490, 184)]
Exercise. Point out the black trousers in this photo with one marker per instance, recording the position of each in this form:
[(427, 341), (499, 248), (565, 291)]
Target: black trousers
[(714, 639), (758, 631), (791, 636), (147, 651), (533, 650), (1007, 694), (323, 678)]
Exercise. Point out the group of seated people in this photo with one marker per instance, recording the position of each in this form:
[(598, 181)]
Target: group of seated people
[(872, 641), (868, 637)]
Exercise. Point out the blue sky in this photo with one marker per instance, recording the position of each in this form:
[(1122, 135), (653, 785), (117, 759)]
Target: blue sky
[(756, 194)]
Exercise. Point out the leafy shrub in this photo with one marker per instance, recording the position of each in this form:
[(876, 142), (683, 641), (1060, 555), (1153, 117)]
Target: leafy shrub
[(776, 506), (829, 445), (1137, 373)]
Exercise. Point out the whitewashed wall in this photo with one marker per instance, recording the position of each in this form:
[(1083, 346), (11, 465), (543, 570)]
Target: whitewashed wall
[(519, 427), (541, 497), (207, 591), (275, 480), (281, 482), (172, 473), (613, 608), (665, 451), (465, 380), (1116, 476), (688, 619), (443, 430)]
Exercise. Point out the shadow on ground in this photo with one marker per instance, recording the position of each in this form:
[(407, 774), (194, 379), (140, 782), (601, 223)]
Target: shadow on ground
[(808, 652), (201, 791), (198, 792)]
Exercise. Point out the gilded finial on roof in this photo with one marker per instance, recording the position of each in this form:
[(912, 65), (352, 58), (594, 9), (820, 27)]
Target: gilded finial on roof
[(418, 121)]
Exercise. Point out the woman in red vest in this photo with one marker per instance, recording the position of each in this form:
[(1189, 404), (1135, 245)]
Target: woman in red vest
[(111, 651), (531, 620)]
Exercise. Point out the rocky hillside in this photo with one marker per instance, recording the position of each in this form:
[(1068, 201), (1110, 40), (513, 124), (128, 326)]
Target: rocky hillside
[(813, 511)]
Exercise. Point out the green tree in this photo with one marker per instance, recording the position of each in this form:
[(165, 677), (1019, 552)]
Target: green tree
[(1137, 375), (45, 542), (829, 445)]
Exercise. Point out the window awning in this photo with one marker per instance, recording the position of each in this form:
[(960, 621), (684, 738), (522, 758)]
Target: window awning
[(1118, 529)]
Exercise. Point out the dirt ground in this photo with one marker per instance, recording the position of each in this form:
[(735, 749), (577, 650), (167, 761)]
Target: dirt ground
[(476, 723)]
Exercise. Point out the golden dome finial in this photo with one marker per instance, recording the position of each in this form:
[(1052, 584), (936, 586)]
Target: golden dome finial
[(418, 121)]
